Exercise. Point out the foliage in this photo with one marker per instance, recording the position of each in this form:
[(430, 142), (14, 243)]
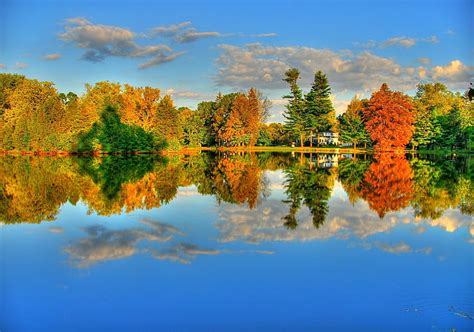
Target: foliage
[(319, 111), (352, 125), (389, 118), (295, 122), (110, 135)]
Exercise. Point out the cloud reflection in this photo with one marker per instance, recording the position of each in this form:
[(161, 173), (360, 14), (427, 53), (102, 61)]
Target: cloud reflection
[(103, 244)]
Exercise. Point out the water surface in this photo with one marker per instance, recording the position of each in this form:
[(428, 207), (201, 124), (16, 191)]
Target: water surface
[(237, 242)]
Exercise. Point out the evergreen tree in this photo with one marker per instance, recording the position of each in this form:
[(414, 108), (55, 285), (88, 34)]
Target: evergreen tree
[(318, 106), (295, 120)]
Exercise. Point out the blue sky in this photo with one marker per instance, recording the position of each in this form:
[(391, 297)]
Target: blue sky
[(193, 49)]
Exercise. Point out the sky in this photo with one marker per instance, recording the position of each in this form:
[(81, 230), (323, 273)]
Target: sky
[(194, 49)]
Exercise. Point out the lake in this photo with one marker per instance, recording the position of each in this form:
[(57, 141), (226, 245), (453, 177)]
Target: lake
[(237, 242)]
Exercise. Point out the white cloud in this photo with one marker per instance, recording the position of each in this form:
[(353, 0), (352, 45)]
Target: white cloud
[(455, 70), (264, 66), (53, 56), (102, 41)]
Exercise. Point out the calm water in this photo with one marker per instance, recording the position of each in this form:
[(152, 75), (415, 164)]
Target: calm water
[(247, 242)]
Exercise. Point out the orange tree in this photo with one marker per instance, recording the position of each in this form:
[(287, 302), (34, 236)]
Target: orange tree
[(389, 118)]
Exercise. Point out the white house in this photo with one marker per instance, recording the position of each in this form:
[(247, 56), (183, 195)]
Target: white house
[(327, 138)]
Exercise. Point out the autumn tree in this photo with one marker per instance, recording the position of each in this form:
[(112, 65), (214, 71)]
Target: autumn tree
[(234, 130), (35, 119), (140, 106), (389, 118), (167, 122), (252, 117)]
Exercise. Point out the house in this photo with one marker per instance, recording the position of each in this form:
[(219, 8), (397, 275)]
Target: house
[(327, 138)]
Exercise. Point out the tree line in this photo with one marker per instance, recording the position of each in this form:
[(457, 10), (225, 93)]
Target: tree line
[(434, 118), (114, 118)]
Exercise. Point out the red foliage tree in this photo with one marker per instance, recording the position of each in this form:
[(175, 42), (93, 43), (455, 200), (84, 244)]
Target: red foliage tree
[(389, 118)]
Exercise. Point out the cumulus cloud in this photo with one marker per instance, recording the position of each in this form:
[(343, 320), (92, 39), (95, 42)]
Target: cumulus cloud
[(3, 66), (455, 71), (53, 56), (264, 66), (101, 41)]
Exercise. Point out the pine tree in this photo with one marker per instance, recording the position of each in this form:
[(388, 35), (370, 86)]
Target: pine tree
[(318, 105), (295, 122)]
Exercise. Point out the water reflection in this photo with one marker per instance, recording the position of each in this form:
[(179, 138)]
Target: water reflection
[(115, 225), (33, 189)]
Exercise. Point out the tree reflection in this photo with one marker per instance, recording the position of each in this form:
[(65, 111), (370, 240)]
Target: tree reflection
[(310, 187), (33, 189), (388, 183)]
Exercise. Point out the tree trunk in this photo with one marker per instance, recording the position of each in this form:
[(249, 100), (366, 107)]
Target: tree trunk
[(301, 141), (311, 140)]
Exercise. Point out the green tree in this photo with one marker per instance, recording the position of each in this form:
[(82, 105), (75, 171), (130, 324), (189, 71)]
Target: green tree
[(351, 124), (319, 112), (110, 135), (295, 122)]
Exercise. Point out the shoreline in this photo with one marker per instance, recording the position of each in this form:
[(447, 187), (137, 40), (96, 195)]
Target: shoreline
[(195, 150)]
